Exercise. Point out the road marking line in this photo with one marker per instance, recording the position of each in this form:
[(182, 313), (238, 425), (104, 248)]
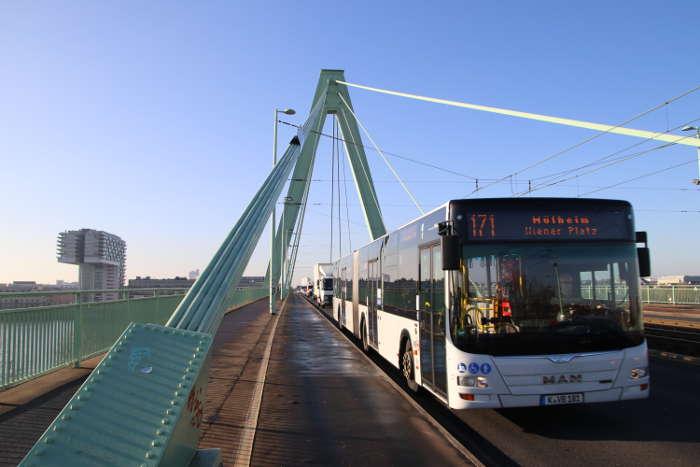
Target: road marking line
[(429, 418), (247, 440), (674, 356)]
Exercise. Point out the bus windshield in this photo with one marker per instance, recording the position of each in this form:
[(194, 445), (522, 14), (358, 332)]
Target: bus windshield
[(524, 299), (327, 284)]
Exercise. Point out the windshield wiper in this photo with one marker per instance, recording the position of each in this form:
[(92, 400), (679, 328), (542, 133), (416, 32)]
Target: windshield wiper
[(558, 282)]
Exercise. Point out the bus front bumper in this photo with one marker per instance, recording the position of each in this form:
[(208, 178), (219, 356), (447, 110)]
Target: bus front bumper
[(497, 401)]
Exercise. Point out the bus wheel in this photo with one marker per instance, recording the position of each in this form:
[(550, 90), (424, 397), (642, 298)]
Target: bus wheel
[(407, 367), (363, 335)]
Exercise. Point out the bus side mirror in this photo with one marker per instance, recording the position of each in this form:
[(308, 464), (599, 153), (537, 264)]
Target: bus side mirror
[(643, 255), (450, 252), (644, 262)]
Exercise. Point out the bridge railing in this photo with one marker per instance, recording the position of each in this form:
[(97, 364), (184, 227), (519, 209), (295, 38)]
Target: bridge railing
[(40, 339), (668, 294), (671, 294)]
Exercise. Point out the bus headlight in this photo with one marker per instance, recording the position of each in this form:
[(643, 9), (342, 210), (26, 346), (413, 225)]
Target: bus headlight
[(473, 381), (638, 373), (466, 381)]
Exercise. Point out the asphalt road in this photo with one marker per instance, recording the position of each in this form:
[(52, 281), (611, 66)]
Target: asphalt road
[(661, 430), (675, 313), (325, 404)]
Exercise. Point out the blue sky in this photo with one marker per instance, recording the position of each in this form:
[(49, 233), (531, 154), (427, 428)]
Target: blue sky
[(154, 120)]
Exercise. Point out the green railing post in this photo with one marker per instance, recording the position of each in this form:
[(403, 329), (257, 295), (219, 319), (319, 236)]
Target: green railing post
[(128, 306), (77, 331), (673, 294)]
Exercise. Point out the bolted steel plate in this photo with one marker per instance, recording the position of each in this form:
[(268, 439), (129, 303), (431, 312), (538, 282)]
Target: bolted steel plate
[(142, 405)]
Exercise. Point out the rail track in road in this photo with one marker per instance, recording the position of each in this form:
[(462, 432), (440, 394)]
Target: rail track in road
[(681, 340)]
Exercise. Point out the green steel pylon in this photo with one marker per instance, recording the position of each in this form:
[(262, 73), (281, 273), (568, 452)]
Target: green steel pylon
[(325, 102)]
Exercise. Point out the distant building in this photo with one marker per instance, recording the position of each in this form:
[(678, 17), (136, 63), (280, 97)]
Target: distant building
[(100, 255), (22, 286), (150, 283), (176, 282), (251, 281), (28, 301), (61, 284), (193, 274), (679, 280)]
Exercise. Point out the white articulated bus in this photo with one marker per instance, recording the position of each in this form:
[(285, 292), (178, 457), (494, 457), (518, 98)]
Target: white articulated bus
[(504, 302)]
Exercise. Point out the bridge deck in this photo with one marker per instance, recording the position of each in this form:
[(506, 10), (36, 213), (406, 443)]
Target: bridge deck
[(324, 404)]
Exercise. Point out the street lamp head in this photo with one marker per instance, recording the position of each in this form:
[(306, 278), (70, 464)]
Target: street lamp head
[(689, 128), (289, 111)]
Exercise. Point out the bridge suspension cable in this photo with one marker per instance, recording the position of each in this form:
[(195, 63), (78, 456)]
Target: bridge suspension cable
[(604, 128), (330, 254), (379, 151), (347, 207)]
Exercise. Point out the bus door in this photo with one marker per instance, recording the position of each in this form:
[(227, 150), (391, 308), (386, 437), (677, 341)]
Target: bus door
[(343, 295), (372, 285), (431, 307)]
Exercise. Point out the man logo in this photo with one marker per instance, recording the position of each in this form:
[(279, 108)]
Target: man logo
[(562, 379), (561, 358)]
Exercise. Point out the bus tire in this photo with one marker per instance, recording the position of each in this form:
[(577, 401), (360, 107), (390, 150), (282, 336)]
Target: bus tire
[(407, 366), (363, 336)]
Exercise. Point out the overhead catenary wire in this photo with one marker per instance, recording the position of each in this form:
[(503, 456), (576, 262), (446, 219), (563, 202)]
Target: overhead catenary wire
[(576, 176), (679, 211), (392, 154), (649, 174), (320, 212), (602, 163), (381, 154), (609, 156)]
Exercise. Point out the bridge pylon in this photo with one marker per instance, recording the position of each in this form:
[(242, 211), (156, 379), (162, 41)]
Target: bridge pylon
[(326, 102)]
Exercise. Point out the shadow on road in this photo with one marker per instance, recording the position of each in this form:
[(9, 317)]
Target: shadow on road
[(670, 414)]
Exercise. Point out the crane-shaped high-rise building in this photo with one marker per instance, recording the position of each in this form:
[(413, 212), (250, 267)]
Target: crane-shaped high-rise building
[(100, 255)]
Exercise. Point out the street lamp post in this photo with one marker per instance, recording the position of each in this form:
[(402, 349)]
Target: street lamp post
[(272, 228), (283, 248), (695, 181)]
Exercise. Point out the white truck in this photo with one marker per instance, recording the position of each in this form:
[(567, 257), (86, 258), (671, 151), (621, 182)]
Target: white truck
[(323, 283)]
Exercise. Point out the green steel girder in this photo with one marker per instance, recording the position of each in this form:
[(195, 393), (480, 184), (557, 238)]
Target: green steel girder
[(142, 405), (325, 102)]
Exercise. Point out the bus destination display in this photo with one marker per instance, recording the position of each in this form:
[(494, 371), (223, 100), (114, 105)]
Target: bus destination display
[(555, 225)]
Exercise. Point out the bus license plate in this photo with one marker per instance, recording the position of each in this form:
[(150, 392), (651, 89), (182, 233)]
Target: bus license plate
[(560, 399)]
